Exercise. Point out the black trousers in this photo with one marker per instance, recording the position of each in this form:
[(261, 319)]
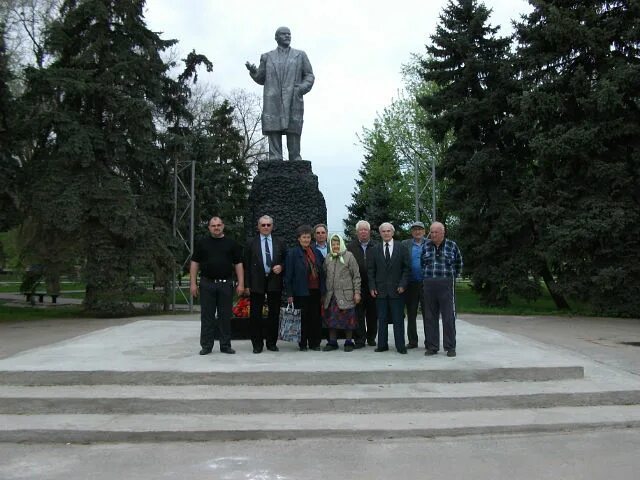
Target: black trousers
[(439, 299), (366, 312), (262, 329), (414, 296), (216, 302), (310, 318)]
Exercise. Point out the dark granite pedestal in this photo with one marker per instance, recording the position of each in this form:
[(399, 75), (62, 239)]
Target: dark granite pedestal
[(287, 191)]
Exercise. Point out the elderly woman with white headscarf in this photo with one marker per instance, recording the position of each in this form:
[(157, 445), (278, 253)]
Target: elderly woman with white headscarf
[(343, 293)]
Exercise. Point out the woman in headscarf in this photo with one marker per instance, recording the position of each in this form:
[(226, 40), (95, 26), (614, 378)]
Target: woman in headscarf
[(304, 286), (343, 293)]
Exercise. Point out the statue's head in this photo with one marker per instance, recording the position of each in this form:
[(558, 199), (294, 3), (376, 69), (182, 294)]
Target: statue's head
[(283, 37)]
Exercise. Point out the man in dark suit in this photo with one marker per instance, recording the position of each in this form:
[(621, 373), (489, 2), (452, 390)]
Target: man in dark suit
[(360, 247), (263, 265), (389, 266)]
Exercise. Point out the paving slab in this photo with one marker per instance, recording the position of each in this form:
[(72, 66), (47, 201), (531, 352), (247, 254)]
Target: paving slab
[(584, 455)]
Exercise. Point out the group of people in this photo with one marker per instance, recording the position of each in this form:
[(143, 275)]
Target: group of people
[(354, 289)]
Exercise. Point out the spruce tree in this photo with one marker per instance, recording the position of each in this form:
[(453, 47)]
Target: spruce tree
[(485, 168), (381, 194), (222, 174), (581, 64), (98, 180)]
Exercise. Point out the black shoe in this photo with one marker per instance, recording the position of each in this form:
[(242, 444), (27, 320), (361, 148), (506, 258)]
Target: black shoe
[(303, 348), (227, 350), (381, 349), (451, 353), (257, 350), (330, 347), (205, 351), (348, 347), (315, 349), (273, 348), (402, 351), (359, 345), (412, 345), (428, 353), (372, 343)]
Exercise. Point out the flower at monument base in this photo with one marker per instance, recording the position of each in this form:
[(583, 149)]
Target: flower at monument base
[(241, 308)]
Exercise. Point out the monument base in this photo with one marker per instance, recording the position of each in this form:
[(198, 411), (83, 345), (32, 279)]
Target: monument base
[(287, 191)]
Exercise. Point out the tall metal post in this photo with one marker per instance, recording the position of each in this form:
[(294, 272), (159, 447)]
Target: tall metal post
[(416, 180), (183, 232), (433, 189), (419, 192)]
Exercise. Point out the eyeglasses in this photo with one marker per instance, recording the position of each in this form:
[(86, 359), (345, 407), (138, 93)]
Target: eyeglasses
[(265, 224)]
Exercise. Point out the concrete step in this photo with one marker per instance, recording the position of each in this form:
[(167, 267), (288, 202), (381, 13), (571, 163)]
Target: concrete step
[(157, 428), (284, 377), (357, 399)]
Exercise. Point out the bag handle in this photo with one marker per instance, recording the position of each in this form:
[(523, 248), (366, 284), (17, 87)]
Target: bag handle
[(290, 307)]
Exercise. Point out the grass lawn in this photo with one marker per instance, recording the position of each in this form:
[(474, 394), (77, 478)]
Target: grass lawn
[(14, 287), (146, 297), (10, 313), (467, 301)]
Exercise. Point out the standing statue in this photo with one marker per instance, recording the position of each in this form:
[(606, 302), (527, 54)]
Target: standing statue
[(286, 75)]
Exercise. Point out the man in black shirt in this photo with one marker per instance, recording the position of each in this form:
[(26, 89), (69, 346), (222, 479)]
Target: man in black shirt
[(216, 257)]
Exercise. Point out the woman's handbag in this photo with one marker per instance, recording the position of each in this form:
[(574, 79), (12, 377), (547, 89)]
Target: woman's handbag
[(290, 324)]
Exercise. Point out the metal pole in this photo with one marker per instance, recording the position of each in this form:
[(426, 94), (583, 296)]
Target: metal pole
[(192, 227), (174, 272), (417, 188), (433, 189)]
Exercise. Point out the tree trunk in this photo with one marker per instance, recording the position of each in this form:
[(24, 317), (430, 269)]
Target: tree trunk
[(558, 299)]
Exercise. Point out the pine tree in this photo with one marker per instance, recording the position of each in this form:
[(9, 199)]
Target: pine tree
[(222, 180), (581, 64), (381, 194), (485, 168), (98, 180)]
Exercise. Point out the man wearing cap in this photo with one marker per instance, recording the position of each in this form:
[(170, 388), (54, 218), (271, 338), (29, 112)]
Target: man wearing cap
[(442, 264), (414, 294)]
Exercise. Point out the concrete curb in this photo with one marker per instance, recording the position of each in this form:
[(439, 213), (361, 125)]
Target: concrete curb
[(80, 436), (70, 406), (522, 374)]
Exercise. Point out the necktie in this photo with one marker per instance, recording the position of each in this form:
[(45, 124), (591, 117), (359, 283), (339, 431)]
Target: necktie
[(267, 253), (387, 255)]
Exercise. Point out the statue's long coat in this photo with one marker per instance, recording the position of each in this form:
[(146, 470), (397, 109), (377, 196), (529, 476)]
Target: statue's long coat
[(284, 86)]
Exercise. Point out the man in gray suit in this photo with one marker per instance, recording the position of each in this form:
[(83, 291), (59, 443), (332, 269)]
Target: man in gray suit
[(389, 267), (286, 75), (414, 295)]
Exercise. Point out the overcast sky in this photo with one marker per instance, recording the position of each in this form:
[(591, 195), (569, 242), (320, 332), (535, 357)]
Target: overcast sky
[(356, 49)]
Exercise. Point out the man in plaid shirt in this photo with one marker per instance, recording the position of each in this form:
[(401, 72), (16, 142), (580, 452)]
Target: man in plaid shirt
[(442, 264)]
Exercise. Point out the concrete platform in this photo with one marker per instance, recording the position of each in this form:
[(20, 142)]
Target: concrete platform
[(166, 352), (144, 381)]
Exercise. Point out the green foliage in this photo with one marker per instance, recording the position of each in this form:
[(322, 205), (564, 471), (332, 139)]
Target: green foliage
[(484, 167), (403, 124), (9, 166), (381, 193), (580, 64), (98, 184), (222, 174)]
